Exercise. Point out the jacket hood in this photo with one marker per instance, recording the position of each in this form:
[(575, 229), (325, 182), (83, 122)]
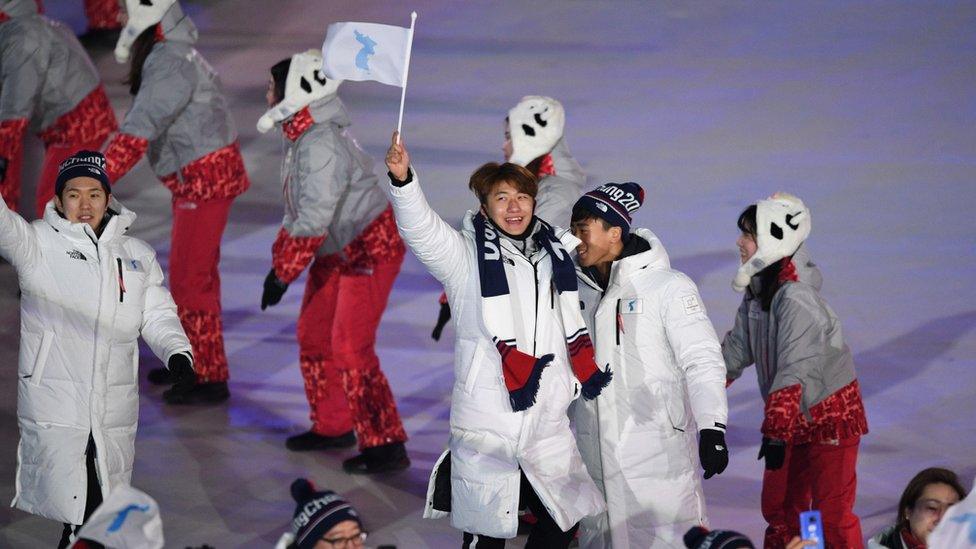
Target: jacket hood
[(18, 8), (175, 25), (121, 219), (565, 164), (655, 258), (178, 27), (330, 109), (807, 272)]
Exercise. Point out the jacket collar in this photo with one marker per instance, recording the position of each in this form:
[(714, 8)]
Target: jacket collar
[(119, 222), (467, 226), (655, 257), (326, 110)]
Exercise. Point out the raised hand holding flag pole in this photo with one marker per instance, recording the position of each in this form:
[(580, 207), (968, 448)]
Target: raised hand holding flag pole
[(370, 51)]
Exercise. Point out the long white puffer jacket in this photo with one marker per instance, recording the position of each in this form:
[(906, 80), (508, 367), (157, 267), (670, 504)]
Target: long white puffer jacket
[(85, 302), (638, 438), (489, 442)]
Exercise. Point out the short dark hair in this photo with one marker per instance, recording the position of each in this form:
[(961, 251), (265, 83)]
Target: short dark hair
[(582, 214), (279, 74), (489, 175), (747, 220), (925, 477)]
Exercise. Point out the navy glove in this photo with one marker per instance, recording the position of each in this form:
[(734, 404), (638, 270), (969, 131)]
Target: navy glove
[(274, 289), (774, 451), (181, 369), (712, 451)]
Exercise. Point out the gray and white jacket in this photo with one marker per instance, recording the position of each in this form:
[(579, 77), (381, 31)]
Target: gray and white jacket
[(805, 368)]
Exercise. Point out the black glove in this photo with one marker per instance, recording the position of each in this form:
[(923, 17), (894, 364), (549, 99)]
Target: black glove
[(774, 451), (712, 451), (273, 290), (181, 369), (442, 319)]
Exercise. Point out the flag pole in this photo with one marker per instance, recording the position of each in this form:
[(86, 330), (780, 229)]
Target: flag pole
[(406, 72)]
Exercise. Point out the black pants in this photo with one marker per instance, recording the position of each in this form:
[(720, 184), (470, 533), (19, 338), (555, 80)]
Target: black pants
[(545, 533), (92, 500)]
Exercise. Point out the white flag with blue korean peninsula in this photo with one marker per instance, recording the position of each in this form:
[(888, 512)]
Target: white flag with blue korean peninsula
[(366, 51)]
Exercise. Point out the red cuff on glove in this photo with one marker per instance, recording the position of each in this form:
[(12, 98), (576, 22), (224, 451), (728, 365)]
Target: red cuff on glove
[(291, 254), (123, 153)]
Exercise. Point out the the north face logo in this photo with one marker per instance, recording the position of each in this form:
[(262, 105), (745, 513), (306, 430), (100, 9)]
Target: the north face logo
[(603, 207), (75, 254)]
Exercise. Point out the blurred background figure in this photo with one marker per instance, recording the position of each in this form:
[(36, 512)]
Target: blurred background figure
[(49, 86), (922, 506), (323, 520), (181, 118)]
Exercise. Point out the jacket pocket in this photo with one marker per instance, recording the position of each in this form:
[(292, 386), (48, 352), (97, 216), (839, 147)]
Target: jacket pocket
[(471, 377), (674, 405), (40, 361)]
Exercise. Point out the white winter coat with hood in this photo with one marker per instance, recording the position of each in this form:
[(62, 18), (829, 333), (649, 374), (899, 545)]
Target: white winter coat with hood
[(489, 442), (85, 302), (638, 438)]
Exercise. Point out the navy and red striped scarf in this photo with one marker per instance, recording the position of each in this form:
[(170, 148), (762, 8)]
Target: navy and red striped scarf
[(523, 371)]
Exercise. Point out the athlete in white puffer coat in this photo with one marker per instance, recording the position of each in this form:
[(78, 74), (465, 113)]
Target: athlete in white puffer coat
[(88, 294), (638, 437), (491, 442)]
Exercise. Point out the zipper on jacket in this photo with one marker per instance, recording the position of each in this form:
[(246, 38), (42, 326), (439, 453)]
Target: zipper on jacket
[(552, 295), (620, 322), (118, 262), (535, 323)]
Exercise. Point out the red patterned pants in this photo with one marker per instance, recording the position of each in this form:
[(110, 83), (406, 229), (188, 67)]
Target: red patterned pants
[(814, 476), (340, 314), (195, 281)]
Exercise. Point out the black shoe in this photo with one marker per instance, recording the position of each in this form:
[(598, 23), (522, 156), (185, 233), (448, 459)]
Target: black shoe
[(100, 39), (314, 441), (199, 393), (379, 459), (161, 376)]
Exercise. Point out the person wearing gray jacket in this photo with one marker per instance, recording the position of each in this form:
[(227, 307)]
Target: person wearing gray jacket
[(814, 415), (339, 221), (181, 118), (50, 86)]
